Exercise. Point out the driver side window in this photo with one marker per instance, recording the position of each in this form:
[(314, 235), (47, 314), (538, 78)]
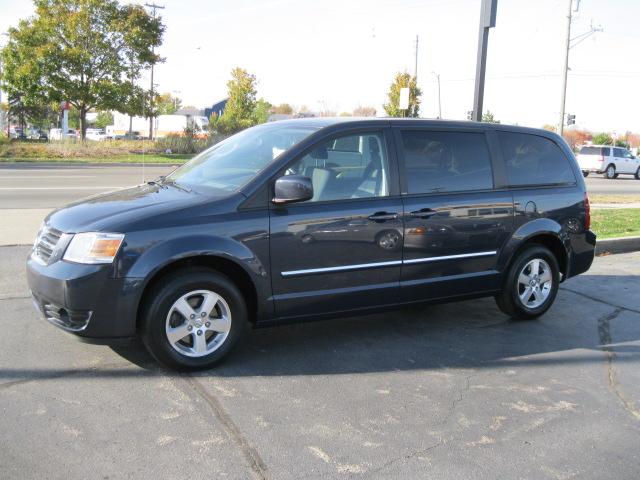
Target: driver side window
[(346, 167)]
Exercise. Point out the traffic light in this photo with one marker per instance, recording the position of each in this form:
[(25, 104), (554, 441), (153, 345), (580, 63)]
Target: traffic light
[(571, 119), (470, 115)]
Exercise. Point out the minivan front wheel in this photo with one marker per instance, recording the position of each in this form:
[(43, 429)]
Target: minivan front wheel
[(193, 318), (531, 284)]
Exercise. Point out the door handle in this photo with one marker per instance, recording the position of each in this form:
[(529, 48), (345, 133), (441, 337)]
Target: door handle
[(424, 213), (382, 216)]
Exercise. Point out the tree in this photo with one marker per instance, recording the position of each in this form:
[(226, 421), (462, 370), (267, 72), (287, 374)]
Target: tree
[(548, 127), (488, 117), (283, 108), (167, 104), (403, 80), (86, 52), (239, 111), (104, 119), (361, 111), (602, 139), (261, 111), (576, 138)]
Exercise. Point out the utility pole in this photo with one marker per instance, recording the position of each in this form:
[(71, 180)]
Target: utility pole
[(1, 113), (487, 21), (565, 67), (439, 99), (415, 70), (153, 7)]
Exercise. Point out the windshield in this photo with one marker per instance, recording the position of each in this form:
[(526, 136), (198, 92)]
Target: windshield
[(230, 164)]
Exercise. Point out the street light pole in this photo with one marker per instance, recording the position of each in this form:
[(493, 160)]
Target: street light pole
[(487, 21)]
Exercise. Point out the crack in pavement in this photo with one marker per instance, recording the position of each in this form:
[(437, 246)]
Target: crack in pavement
[(604, 302), (250, 454), (604, 333)]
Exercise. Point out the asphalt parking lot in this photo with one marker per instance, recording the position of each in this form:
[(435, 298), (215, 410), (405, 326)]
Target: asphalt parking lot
[(446, 391)]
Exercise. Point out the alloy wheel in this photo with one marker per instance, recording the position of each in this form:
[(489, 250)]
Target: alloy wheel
[(198, 323), (534, 283)]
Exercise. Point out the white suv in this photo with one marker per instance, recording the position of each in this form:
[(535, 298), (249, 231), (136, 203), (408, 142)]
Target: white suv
[(612, 161)]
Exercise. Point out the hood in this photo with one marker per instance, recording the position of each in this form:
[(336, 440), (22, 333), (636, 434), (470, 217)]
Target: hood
[(115, 211)]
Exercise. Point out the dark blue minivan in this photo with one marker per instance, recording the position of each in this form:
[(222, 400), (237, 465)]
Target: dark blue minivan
[(314, 218)]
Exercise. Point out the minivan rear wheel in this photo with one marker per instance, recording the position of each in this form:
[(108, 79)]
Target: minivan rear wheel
[(610, 172), (531, 284), (193, 318)]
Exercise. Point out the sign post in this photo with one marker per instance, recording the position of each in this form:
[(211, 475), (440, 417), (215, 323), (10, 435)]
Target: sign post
[(403, 104)]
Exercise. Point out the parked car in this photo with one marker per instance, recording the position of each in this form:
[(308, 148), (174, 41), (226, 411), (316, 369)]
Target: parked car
[(316, 218), (134, 135), (17, 133), (95, 134), (612, 161), (56, 134), (37, 134)]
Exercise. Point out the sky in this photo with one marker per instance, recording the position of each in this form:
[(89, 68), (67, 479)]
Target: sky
[(339, 54)]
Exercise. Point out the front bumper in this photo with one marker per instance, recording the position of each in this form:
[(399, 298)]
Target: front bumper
[(85, 300)]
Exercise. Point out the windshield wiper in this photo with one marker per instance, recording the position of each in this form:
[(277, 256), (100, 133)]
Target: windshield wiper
[(173, 183), (159, 182)]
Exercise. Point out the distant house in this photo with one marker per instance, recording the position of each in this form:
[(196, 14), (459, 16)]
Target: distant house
[(190, 112), (217, 108)]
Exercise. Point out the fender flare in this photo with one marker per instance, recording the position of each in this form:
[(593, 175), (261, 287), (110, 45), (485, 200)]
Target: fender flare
[(535, 228)]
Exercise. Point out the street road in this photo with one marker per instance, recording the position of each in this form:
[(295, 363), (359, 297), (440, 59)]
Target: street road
[(50, 186), (623, 185), (449, 392), (28, 192)]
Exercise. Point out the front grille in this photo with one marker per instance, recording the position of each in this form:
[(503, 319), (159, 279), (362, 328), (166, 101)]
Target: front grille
[(46, 243)]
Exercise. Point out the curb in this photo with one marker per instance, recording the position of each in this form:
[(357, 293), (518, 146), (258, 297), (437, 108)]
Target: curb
[(617, 245)]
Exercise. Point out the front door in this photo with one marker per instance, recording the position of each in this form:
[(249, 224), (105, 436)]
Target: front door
[(455, 223), (342, 249)]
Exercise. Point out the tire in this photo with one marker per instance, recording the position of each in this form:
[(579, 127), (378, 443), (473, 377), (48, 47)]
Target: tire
[(510, 300), (637, 175), (585, 174), (195, 291), (610, 171)]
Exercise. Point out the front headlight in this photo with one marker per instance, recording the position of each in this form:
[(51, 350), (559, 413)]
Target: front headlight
[(93, 247)]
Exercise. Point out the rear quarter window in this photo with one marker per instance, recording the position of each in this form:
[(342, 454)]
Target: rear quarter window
[(591, 151), (534, 160)]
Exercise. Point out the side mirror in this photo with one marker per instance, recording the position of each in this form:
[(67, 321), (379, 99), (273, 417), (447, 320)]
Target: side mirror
[(292, 188)]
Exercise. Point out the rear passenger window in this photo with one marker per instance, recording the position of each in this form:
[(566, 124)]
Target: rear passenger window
[(534, 160), (446, 161)]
